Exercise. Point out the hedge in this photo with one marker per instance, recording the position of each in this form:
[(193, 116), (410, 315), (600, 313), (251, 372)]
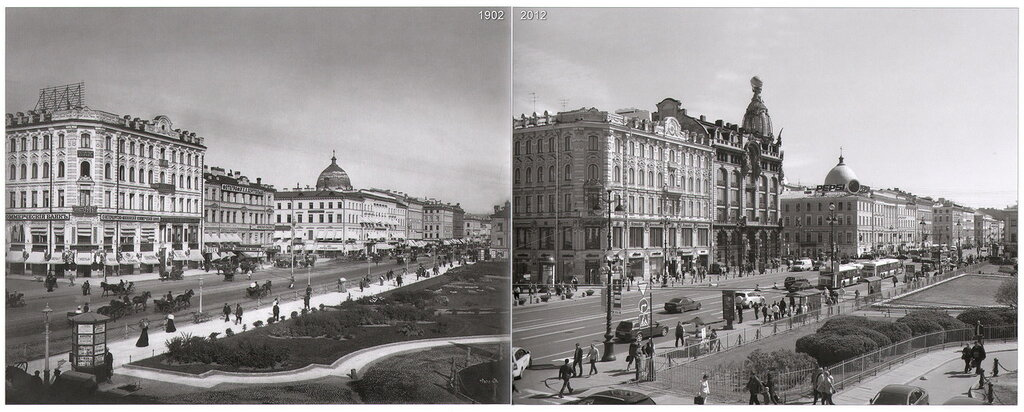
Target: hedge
[(192, 349), (760, 362), (894, 331), (988, 317), (879, 338), (920, 326), (385, 385), (944, 320), (829, 348)]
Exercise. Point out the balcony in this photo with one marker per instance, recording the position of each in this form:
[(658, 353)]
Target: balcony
[(164, 163), (163, 188)]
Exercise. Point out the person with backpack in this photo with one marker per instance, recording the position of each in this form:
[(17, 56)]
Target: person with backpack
[(826, 386)]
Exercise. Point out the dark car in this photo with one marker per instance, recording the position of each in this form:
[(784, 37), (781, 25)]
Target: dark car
[(963, 400), (799, 284), (789, 281), (900, 395), (681, 305), (628, 330), (615, 397)]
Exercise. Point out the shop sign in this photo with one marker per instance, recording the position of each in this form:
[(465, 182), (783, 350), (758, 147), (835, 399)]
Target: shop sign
[(84, 211), (176, 219), (241, 189), (38, 216), (128, 218), (85, 153)]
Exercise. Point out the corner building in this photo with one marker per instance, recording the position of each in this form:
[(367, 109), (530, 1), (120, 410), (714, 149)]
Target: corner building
[(237, 215), (95, 192)]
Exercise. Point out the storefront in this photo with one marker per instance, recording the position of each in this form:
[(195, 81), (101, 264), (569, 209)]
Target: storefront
[(84, 262), (16, 262)]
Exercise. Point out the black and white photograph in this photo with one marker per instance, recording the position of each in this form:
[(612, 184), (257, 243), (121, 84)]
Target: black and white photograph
[(749, 206), (257, 205)]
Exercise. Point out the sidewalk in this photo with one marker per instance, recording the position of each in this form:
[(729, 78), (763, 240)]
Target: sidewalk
[(96, 279), (906, 374), (125, 351), (344, 366)]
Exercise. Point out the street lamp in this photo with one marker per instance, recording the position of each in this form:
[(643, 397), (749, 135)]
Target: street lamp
[(959, 251), (740, 225), (200, 293), (46, 343), (609, 347), (922, 235), (832, 225)]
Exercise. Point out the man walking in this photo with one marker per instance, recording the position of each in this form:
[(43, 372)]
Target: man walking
[(966, 356), (238, 314), (593, 355), (755, 387), (977, 356), (680, 334), (814, 385), (277, 311), (631, 355), (227, 312), (705, 391), (565, 373), (739, 311), (826, 385), (577, 360)]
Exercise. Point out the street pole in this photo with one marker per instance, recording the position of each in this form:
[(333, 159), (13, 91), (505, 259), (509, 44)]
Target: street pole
[(46, 343), (200, 293), (609, 347), (832, 224)]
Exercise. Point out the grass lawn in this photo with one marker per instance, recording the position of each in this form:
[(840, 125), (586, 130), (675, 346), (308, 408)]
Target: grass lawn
[(473, 290), (967, 290), (329, 390), (432, 369)]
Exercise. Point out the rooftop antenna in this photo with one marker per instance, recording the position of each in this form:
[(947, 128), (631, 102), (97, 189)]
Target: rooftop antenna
[(564, 102), (533, 99)]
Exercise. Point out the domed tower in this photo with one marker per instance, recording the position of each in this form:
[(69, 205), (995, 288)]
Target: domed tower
[(843, 175), (333, 177), (756, 119)]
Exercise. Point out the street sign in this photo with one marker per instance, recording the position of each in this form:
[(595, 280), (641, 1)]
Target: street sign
[(642, 287), (644, 318), (728, 304)]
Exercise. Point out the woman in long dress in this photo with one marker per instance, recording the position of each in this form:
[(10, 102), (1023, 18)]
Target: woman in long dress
[(144, 337), (170, 323)]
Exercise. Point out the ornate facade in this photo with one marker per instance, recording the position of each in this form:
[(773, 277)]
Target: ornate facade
[(238, 216)]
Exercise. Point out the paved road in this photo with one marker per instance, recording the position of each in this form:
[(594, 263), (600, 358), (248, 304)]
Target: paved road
[(948, 380), (24, 325)]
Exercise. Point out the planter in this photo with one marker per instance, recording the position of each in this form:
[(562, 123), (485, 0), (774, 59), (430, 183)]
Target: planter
[(568, 295), (545, 298), (522, 301), (589, 292)]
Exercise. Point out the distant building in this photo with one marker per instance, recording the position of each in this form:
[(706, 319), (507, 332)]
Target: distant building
[(477, 228), (501, 227), (238, 215), (442, 221)]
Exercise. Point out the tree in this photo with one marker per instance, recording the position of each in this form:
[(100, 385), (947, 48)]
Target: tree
[(1007, 293)]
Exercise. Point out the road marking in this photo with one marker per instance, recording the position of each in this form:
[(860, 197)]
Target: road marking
[(551, 333)]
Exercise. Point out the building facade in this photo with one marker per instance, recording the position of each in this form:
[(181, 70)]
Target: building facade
[(238, 215), (477, 228), (954, 224), (501, 227), (570, 168), (93, 191), (442, 221)]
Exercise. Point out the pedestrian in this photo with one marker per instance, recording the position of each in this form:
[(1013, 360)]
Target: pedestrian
[(37, 383), (705, 391), (577, 360), (856, 295), (775, 311), (108, 363), (227, 312), (85, 287), (565, 373), (144, 336), (966, 356), (238, 314), (515, 294), (764, 312), (78, 310), (85, 307), (739, 311), (277, 311), (754, 307), (826, 386), (977, 356), (170, 324), (305, 301), (382, 280), (814, 385), (631, 354), (769, 393), (716, 344), (995, 366), (593, 355), (71, 279), (754, 387), (894, 281), (362, 283), (680, 334)]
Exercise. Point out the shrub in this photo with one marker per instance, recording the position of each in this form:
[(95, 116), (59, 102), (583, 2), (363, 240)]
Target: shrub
[(920, 326), (214, 335), (386, 385), (829, 348), (944, 320), (257, 324), (988, 317), (303, 312), (295, 314), (407, 313), (895, 332), (760, 362), (229, 333), (322, 306), (879, 338), (589, 292)]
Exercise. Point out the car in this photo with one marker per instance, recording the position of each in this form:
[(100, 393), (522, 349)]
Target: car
[(615, 397), (802, 264), (521, 360), (894, 394), (902, 257), (629, 330), (963, 400), (799, 284), (789, 281), (748, 298), (681, 305)]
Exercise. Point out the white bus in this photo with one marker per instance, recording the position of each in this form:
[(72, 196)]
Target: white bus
[(882, 268), (849, 274)]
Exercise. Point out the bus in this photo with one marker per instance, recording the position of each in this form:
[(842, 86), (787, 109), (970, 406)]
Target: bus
[(882, 268), (849, 274)]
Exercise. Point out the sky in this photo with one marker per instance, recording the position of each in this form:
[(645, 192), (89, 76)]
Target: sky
[(414, 100), (921, 100)]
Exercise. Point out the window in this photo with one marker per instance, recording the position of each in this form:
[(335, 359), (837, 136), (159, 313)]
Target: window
[(592, 238), (567, 238), (35, 171), (551, 173), (568, 173), (85, 170), (46, 142), (46, 170), (60, 169), (592, 143), (35, 142), (60, 141), (636, 237), (592, 172), (120, 173), (618, 178), (540, 174), (60, 198), (567, 146), (24, 172), (516, 173), (529, 175)]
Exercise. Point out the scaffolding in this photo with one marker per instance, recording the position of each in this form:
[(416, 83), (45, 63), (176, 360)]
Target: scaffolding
[(65, 97)]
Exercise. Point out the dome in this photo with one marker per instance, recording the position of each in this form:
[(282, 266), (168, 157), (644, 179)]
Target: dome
[(333, 177), (756, 118), (841, 174)]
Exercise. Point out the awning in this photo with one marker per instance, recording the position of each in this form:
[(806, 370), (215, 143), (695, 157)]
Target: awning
[(16, 256), (215, 256), (56, 259), (873, 279), (110, 260), (36, 258), (351, 248), (253, 255), (149, 258), (382, 246), (211, 238), (129, 258), (195, 255), (83, 258), (179, 255)]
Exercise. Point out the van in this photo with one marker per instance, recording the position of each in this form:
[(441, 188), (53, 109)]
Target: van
[(748, 298), (803, 264)]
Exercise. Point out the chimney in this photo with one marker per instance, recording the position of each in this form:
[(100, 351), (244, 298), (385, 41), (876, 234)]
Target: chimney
[(719, 123), (683, 111), (259, 180), (703, 118)]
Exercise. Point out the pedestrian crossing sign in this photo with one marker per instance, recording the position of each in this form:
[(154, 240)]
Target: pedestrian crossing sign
[(642, 287)]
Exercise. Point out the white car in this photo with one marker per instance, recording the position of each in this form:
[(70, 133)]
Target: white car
[(521, 360), (747, 298)]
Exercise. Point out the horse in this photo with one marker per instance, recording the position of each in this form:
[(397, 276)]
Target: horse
[(184, 299), (106, 288), (141, 301)]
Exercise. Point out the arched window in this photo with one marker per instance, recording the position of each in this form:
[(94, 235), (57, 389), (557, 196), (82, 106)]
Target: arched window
[(775, 185), (566, 145), (131, 148), (551, 144), (671, 179), (163, 154), (650, 178), (13, 173), (120, 173), (736, 178), (149, 176), (618, 178), (131, 174), (568, 172), (60, 141), (35, 142), (764, 183), (24, 172), (723, 177), (540, 146), (661, 180), (641, 181), (149, 152), (120, 145), (540, 174), (515, 175), (551, 173), (35, 171), (632, 176), (196, 179), (527, 145), (108, 146), (46, 170), (181, 180), (24, 144), (142, 176), (529, 175), (592, 172), (84, 170), (689, 184), (592, 143), (46, 142), (700, 185), (188, 182), (60, 169), (106, 171), (162, 175)]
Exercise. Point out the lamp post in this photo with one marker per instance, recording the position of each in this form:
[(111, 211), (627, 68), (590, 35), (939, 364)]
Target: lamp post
[(200, 293), (832, 247), (740, 247), (922, 235), (46, 343), (959, 251), (609, 347)]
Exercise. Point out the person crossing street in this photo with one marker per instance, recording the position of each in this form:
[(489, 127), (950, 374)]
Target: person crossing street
[(577, 360), (593, 355), (565, 373)]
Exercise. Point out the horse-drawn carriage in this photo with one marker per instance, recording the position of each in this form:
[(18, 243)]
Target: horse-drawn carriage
[(175, 274), (115, 310), (258, 291), (118, 289), (179, 302), (227, 269), (15, 299)]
